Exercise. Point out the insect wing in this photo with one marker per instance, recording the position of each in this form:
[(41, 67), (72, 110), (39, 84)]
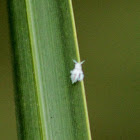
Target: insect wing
[(74, 76), (81, 76)]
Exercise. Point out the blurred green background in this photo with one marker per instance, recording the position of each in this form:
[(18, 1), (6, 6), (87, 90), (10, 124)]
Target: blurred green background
[(7, 109), (109, 40)]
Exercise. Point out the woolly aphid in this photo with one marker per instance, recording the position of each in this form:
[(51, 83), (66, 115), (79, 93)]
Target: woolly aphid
[(77, 73)]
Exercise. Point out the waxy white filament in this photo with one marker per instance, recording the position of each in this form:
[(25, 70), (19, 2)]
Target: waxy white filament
[(77, 73)]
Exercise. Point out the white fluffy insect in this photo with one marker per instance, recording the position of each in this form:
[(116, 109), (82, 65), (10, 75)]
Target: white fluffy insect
[(77, 73)]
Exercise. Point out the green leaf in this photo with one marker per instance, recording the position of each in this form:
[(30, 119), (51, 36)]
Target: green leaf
[(48, 105)]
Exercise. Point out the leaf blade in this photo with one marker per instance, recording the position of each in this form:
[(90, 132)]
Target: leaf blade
[(53, 43)]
